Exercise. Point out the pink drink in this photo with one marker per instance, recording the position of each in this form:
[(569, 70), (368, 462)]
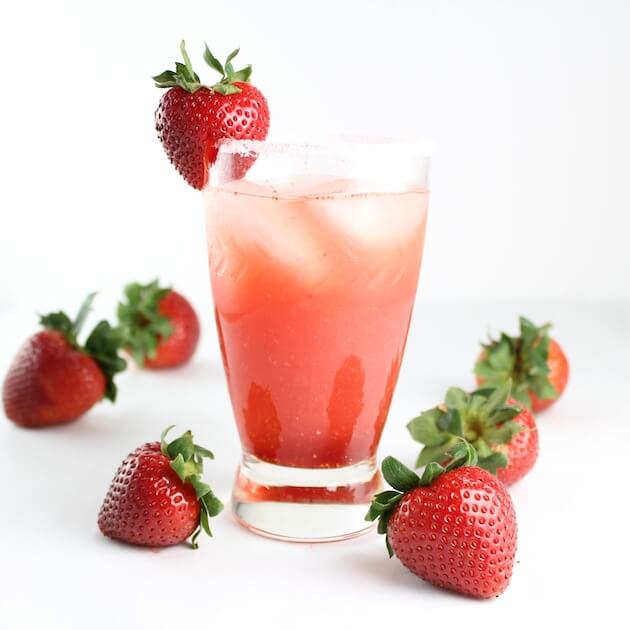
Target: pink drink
[(314, 282)]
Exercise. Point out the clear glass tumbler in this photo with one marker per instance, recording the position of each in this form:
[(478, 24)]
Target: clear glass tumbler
[(315, 252)]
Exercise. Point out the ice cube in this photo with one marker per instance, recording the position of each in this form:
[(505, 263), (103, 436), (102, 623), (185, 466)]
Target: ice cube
[(372, 220), (259, 222)]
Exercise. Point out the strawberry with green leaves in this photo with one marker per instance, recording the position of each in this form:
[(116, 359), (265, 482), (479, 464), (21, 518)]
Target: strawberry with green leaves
[(54, 378), (157, 497), (535, 363), (192, 118), (500, 428), (158, 325), (454, 527)]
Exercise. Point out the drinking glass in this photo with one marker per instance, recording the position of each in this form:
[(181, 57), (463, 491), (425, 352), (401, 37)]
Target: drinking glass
[(315, 252)]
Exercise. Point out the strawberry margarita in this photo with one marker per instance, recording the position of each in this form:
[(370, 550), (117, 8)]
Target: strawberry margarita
[(314, 279)]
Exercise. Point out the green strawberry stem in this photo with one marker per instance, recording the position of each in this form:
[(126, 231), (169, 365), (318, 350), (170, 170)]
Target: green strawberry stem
[(403, 480), (141, 324), (187, 461), (102, 345), (84, 311), (523, 359), (484, 417), (185, 77), (60, 322)]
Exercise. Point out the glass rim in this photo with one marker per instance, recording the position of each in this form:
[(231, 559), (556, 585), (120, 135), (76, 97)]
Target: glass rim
[(333, 145)]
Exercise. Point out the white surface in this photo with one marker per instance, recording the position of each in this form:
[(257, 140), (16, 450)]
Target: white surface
[(527, 103), (58, 571)]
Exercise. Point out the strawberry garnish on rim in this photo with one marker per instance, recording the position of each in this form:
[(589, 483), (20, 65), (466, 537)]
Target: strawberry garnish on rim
[(192, 118)]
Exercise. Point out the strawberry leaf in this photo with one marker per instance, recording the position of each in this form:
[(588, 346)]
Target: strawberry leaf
[(503, 434), (462, 453), (496, 398), (165, 80), (204, 452), (188, 71), (493, 462), (504, 414), (398, 476), (424, 428), (60, 322), (212, 503), (457, 398), (543, 388), (482, 448), (183, 446), (212, 61), (142, 325), (455, 423), (382, 503), (183, 71), (184, 76), (433, 453), (163, 442), (482, 417), (431, 473), (403, 480), (226, 88), (186, 460), (243, 75), (231, 56), (84, 311), (103, 345), (523, 359)]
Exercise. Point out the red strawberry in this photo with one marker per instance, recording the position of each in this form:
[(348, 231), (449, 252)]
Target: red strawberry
[(53, 379), (192, 118), (159, 326), (455, 527), (538, 367), (501, 429), (157, 497)]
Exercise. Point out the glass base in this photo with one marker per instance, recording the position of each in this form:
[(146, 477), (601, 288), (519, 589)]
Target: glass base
[(304, 504)]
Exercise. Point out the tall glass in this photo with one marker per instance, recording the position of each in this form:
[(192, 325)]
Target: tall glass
[(315, 252)]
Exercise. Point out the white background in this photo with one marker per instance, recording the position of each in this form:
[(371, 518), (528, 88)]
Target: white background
[(529, 106), (527, 102)]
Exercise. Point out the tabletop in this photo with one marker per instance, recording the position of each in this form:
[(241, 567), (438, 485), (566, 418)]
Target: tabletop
[(57, 570)]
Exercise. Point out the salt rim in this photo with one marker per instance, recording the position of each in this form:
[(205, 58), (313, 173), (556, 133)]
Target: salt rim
[(334, 147)]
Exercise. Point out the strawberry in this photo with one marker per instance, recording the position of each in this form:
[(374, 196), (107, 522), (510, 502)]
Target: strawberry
[(159, 326), (454, 527), (157, 497), (538, 367), (54, 379), (192, 118), (502, 430)]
